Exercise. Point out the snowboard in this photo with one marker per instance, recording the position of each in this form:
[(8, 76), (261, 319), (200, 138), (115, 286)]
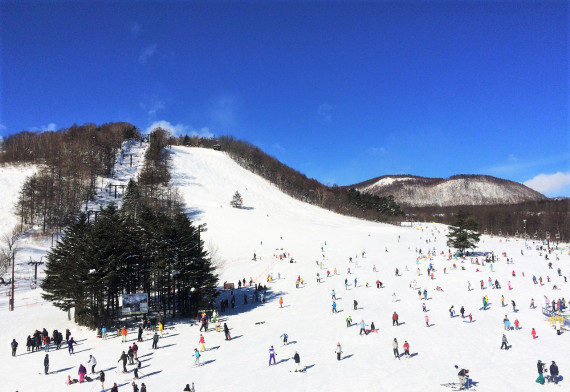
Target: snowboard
[(260, 322)]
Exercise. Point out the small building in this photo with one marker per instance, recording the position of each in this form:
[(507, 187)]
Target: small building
[(217, 147)]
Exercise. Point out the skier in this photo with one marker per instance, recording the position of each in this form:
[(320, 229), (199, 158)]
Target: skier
[(196, 357), (427, 320), (281, 302), (338, 351), (424, 307), (297, 360), (462, 311), (514, 305), (451, 311), (284, 337), (355, 304), (334, 307), (140, 332), (123, 358), (395, 348), (333, 295), (406, 349), (395, 319), (202, 343), (553, 373), (93, 362), (124, 334), (155, 341), (272, 355), (348, 321), (533, 333), (46, 364), (14, 346), (462, 375), (70, 343), (362, 327), (504, 343)]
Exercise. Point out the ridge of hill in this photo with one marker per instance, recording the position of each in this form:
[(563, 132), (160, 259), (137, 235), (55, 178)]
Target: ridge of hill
[(415, 191)]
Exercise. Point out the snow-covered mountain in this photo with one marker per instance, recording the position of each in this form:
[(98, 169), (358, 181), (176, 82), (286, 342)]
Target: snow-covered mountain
[(456, 190)]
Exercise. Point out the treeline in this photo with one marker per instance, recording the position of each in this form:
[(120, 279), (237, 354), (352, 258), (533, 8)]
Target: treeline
[(552, 216), (296, 184), (69, 163), (122, 253)]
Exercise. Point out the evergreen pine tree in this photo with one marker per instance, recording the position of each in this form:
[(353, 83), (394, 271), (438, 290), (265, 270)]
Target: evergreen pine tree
[(463, 234), (237, 201)]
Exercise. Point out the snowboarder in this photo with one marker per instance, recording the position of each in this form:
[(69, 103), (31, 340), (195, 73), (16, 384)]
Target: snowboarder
[(93, 362), (272, 355), (395, 348), (406, 349), (14, 346), (338, 351)]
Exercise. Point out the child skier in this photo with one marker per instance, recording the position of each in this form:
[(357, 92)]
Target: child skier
[(272, 355)]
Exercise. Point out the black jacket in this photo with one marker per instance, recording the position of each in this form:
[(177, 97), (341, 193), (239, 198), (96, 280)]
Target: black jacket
[(297, 358), (46, 361), (540, 367), (554, 370), (14, 344), (102, 376)]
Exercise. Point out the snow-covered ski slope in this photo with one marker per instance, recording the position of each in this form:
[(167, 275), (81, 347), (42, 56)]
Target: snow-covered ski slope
[(271, 223), (12, 178)]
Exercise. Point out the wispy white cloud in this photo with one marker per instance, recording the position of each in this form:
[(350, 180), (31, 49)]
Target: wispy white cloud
[(2, 127), (180, 129), (325, 112), (147, 53), (49, 127), (514, 165), (512, 158), (549, 183)]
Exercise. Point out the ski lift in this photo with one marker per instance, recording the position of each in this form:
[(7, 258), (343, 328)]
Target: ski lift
[(535, 235), (557, 236), (547, 235)]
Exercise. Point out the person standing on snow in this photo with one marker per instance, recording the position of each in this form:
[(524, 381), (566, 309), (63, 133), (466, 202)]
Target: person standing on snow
[(297, 360), (202, 342), (196, 357), (70, 343), (333, 295), (102, 379), (284, 337), (395, 319), (14, 346), (272, 355), (462, 311), (334, 307), (462, 375), (123, 358), (338, 351), (155, 341), (553, 373), (355, 304), (504, 343), (46, 364), (93, 363), (362, 328), (540, 367), (427, 320), (348, 321), (227, 331), (395, 348)]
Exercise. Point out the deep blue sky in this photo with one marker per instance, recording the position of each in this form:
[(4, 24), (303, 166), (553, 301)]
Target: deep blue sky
[(341, 91)]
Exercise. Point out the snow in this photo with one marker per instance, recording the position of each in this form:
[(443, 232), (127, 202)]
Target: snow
[(11, 180), (272, 223)]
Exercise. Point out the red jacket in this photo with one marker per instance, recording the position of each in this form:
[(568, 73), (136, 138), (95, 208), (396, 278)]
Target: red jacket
[(395, 316), (406, 347)]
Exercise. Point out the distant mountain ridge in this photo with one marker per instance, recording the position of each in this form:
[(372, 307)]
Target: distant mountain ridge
[(473, 189)]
